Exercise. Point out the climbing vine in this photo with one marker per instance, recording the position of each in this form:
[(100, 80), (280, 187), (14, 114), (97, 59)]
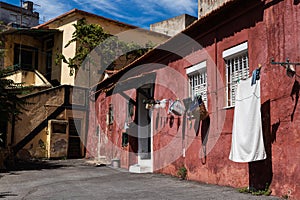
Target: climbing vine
[(110, 48)]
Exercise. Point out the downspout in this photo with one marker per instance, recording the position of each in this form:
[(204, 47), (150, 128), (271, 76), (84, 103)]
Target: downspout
[(216, 77), (87, 115), (98, 132)]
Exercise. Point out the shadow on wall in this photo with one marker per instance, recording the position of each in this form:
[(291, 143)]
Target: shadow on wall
[(295, 91), (261, 172), (205, 124)]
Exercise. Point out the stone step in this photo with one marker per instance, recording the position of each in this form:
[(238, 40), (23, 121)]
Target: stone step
[(140, 169)]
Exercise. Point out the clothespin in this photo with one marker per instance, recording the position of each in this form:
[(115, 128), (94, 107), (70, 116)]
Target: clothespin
[(259, 67)]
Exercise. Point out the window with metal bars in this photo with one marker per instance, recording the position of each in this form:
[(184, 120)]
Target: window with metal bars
[(237, 68), (198, 81)]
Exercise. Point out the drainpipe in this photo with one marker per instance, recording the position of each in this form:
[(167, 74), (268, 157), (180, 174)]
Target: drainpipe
[(98, 147), (216, 77), (87, 115), (98, 132)]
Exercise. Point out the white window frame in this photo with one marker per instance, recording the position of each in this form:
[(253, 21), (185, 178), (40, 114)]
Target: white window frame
[(237, 68), (199, 69)]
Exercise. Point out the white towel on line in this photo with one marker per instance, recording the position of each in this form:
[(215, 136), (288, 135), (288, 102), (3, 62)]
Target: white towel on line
[(247, 136)]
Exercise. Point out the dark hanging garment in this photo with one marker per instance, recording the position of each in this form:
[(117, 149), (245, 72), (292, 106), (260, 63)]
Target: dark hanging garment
[(171, 122), (157, 121), (255, 76), (183, 126)]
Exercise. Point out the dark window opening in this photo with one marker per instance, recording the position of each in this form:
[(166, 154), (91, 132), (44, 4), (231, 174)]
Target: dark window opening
[(26, 57), (48, 64), (59, 128)]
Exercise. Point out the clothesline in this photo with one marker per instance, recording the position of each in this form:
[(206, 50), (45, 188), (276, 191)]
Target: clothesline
[(216, 91)]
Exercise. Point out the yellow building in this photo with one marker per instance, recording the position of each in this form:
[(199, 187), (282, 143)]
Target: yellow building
[(55, 123)]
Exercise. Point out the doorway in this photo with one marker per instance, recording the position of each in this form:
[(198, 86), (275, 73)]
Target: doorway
[(74, 147), (144, 121)]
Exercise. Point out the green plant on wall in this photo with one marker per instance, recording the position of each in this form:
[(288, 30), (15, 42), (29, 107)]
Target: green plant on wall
[(182, 172), (89, 36), (265, 192)]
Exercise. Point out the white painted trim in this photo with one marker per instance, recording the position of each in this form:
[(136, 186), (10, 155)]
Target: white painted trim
[(196, 67), (235, 50)]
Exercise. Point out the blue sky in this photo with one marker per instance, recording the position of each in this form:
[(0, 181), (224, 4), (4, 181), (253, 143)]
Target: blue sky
[(141, 13)]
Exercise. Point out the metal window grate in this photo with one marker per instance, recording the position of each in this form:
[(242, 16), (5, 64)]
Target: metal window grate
[(237, 68), (198, 85)]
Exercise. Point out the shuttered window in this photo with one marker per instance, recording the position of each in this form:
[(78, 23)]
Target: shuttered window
[(237, 68), (198, 81)]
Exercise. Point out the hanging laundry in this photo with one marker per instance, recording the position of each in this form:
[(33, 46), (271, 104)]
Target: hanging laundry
[(183, 125), (171, 122), (160, 103), (178, 122), (169, 105), (255, 76), (177, 108), (247, 136), (198, 109), (157, 121)]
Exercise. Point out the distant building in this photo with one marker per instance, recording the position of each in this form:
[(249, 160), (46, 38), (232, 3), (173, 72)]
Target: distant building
[(15, 15), (174, 25), (206, 6)]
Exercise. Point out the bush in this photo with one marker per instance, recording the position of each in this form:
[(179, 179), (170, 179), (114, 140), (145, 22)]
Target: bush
[(182, 172)]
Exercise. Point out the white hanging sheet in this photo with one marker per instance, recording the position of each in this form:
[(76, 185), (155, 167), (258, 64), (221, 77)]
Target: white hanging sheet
[(247, 136)]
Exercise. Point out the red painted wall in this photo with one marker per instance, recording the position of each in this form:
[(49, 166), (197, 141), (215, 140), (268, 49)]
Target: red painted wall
[(271, 30), (110, 134)]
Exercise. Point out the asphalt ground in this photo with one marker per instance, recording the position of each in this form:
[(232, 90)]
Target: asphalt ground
[(77, 179)]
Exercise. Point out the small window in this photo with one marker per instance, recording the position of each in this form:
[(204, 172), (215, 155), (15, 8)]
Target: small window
[(110, 115), (59, 127), (237, 68), (197, 75)]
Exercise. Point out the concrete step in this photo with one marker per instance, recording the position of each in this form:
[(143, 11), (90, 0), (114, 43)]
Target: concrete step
[(140, 169)]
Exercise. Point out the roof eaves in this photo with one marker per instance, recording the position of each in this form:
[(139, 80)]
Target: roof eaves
[(185, 31), (75, 10), (44, 25), (56, 18)]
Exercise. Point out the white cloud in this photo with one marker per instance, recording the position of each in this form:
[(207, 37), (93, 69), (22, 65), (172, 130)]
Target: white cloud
[(176, 7), (117, 9), (51, 9), (132, 11), (180, 6)]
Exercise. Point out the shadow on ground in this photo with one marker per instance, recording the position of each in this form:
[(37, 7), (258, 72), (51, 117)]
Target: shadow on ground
[(3, 195), (25, 165)]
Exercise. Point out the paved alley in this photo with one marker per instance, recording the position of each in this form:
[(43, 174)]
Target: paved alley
[(75, 179)]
